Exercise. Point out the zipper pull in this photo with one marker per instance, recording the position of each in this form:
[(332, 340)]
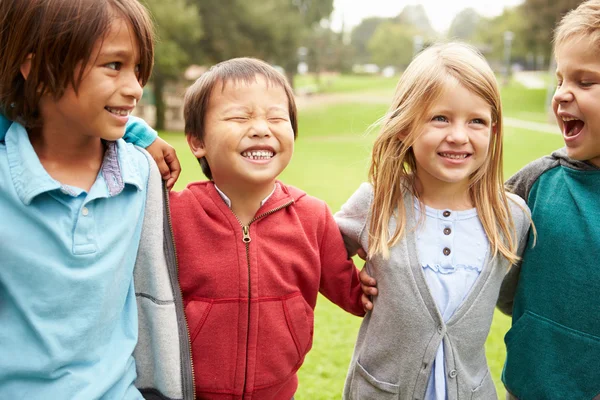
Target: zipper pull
[(246, 233)]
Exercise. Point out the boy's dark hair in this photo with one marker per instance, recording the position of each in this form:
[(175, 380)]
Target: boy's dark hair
[(237, 70), (60, 36)]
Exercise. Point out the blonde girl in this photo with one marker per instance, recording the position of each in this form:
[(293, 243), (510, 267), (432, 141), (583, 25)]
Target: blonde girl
[(439, 231)]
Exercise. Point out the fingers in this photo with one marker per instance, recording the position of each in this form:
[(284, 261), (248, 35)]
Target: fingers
[(174, 167), (362, 254), (366, 302), (366, 279)]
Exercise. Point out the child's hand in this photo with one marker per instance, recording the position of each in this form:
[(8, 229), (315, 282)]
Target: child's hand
[(166, 159), (369, 288)]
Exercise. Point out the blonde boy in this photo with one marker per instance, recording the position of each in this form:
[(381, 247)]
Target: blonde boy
[(553, 347)]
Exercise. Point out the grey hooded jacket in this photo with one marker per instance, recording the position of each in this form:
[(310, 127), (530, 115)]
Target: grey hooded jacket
[(162, 355)]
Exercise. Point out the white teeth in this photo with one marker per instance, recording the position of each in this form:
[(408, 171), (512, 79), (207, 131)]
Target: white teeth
[(118, 111), (454, 156), (566, 119), (258, 154)]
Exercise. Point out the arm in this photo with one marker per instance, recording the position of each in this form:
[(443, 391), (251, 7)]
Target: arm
[(139, 133), (522, 218), (339, 277)]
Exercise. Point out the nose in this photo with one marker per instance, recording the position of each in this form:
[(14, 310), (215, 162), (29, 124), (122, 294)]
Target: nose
[(131, 86), (458, 134), (562, 94), (260, 128)]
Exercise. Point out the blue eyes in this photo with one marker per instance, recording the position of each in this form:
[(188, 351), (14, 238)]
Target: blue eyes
[(441, 118)]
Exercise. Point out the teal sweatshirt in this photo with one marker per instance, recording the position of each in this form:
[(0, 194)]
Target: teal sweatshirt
[(553, 347)]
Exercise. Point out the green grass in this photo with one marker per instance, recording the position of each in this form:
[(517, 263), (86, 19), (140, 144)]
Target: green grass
[(330, 161), (515, 96), (345, 83)]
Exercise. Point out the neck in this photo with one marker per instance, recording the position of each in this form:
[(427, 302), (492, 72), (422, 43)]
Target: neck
[(245, 200), (71, 160), (453, 197)]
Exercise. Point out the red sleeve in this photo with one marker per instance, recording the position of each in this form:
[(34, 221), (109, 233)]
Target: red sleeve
[(339, 277)]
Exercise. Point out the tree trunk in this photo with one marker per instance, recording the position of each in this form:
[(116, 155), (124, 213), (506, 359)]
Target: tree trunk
[(290, 71), (159, 88)]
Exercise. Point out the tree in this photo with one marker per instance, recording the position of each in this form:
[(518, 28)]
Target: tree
[(392, 44), (361, 35), (489, 36), (178, 29), (271, 29), (415, 16), (541, 17), (464, 25)]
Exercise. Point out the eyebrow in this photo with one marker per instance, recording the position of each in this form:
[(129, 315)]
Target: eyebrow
[(115, 54)]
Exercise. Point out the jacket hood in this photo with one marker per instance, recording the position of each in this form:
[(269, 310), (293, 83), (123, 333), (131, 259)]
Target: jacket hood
[(565, 160)]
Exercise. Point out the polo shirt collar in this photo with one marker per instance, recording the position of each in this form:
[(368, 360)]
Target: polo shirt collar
[(30, 179)]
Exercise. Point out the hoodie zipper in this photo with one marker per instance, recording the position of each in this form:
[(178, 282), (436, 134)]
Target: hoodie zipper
[(168, 210), (247, 239)]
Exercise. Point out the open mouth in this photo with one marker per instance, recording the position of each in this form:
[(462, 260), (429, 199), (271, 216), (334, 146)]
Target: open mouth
[(572, 126), (455, 156), (258, 154), (121, 112)]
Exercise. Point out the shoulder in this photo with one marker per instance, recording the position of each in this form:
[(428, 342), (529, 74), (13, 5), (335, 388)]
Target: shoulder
[(140, 159), (196, 192), (520, 212), (303, 202), (521, 182)]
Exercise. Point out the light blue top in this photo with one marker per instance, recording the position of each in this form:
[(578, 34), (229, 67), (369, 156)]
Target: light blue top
[(452, 247), (137, 131), (68, 315)]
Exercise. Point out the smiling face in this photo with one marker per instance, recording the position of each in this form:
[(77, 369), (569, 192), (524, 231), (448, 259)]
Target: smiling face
[(248, 137), (576, 103), (108, 92), (454, 140)]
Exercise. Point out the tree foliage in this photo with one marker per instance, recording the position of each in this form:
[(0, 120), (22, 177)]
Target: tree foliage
[(270, 29), (393, 44), (361, 35), (465, 24), (541, 17), (178, 29)]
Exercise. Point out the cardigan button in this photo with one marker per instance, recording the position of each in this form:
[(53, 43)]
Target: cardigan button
[(440, 329), (452, 374)]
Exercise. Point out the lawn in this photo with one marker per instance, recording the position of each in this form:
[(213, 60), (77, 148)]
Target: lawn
[(330, 161)]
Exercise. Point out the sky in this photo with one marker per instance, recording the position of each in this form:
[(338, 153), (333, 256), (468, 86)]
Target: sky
[(440, 12)]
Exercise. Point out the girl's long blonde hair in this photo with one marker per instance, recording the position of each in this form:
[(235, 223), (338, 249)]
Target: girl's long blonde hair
[(393, 162)]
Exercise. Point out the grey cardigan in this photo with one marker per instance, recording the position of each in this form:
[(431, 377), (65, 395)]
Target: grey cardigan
[(398, 340)]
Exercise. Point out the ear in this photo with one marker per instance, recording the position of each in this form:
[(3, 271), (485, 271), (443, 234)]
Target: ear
[(26, 66), (494, 129), (196, 146)]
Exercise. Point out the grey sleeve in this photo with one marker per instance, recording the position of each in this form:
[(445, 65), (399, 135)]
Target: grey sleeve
[(352, 218), (521, 182), (522, 218)]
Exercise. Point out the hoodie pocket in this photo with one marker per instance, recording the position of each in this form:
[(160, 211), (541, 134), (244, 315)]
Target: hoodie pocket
[(547, 360), (285, 335), (365, 386), (213, 328)]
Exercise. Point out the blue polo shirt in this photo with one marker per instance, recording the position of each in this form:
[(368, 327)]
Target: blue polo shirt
[(68, 317)]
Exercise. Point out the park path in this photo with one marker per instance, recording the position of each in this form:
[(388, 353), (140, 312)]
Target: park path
[(318, 100)]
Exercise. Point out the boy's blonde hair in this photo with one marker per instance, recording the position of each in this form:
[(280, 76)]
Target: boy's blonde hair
[(582, 22), (393, 163)]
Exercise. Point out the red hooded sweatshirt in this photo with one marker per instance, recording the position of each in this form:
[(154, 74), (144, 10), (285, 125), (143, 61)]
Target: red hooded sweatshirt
[(249, 292)]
